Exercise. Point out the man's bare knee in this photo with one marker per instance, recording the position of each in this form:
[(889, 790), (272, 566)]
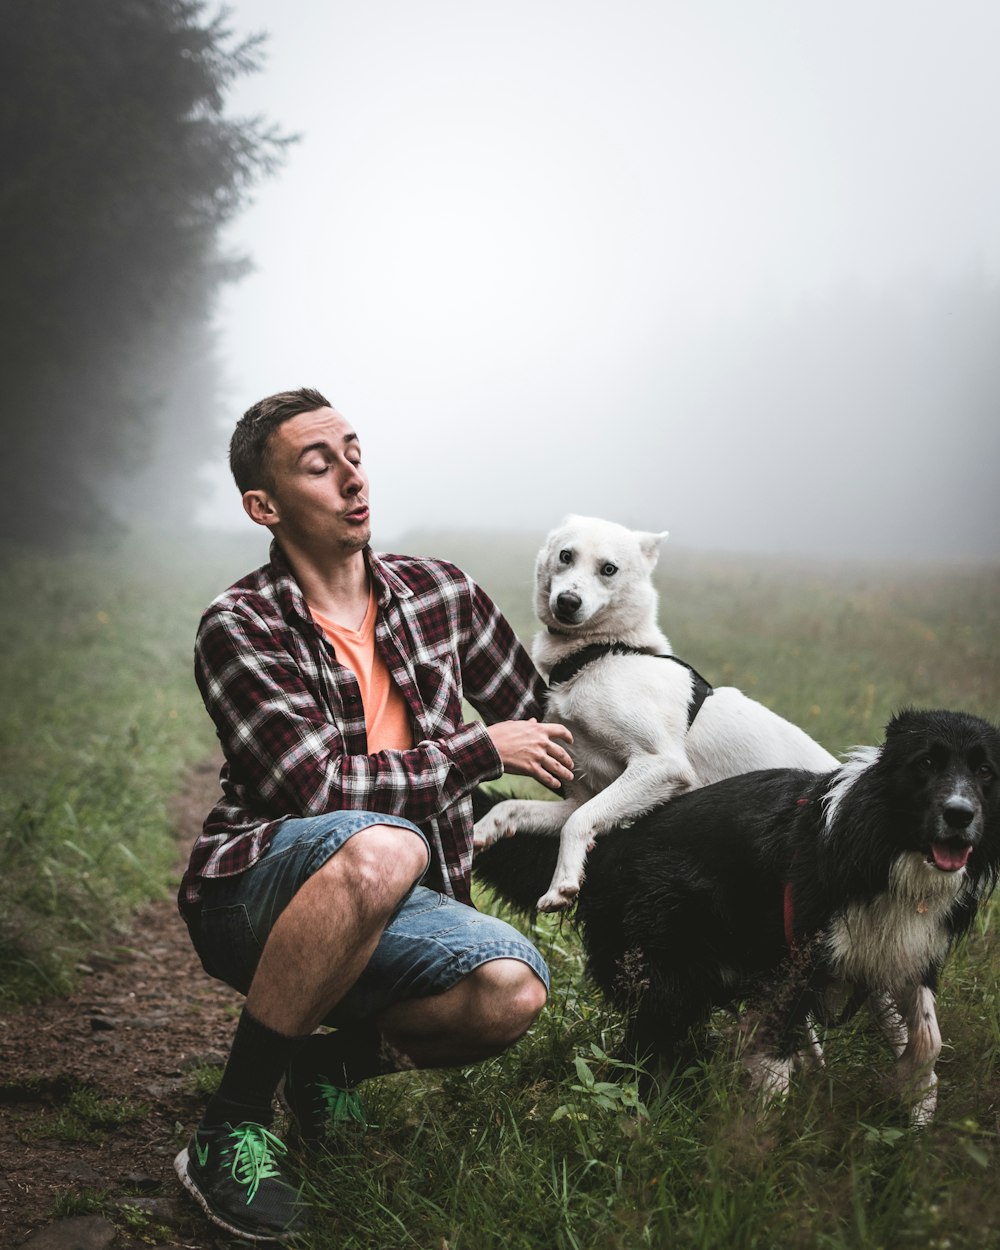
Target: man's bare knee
[(509, 996), (379, 864)]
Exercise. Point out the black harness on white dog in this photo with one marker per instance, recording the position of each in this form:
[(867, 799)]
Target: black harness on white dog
[(571, 664)]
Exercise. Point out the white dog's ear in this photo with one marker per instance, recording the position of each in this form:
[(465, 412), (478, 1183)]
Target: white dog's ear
[(649, 545)]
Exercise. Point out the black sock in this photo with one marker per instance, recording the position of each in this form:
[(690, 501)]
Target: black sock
[(345, 1057), (257, 1059)]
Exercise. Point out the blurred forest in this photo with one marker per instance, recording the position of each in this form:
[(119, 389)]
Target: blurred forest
[(121, 168)]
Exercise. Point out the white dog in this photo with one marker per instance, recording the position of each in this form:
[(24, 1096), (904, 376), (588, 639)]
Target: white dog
[(645, 726)]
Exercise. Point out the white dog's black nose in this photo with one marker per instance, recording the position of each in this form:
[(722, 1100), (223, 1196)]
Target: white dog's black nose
[(958, 813), (568, 603)]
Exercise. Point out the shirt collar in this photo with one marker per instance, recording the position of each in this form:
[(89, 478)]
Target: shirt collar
[(386, 583)]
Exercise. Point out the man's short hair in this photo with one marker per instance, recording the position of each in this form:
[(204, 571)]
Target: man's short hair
[(248, 448)]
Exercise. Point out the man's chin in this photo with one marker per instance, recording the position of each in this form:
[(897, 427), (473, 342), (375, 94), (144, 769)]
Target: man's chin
[(356, 538)]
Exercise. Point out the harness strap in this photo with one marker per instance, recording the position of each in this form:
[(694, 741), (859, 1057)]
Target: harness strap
[(568, 667)]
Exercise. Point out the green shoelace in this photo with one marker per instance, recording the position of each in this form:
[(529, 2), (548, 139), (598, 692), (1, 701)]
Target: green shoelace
[(254, 1156), (342, 1104)]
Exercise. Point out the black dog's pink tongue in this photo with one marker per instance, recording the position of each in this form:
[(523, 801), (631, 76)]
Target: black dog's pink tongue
[(950, 856)]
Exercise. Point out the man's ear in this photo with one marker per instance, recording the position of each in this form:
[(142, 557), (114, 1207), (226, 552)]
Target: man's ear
[(260, 507)]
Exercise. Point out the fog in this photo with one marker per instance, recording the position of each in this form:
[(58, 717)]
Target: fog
[(729, 270)]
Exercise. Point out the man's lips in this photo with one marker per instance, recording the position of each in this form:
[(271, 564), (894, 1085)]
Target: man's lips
[(357, 514)]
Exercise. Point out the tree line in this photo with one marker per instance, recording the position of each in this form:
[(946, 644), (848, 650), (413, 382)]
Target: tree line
[(121, 168)]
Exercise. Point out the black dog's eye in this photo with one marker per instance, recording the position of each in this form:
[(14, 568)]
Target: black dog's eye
[(984, 771), (609, 569), (565, 556), (926, 765)]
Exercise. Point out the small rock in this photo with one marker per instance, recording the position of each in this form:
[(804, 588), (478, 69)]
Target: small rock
[(101, 1023), (141, 1181), (80, 1232), (161, 1089), (80, 1171), (167, 1211)]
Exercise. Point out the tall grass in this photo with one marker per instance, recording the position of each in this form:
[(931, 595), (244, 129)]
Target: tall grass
[(543, 1147), (99, 720)]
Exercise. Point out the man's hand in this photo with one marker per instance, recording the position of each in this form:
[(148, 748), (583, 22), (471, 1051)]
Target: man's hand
[(530, 749)]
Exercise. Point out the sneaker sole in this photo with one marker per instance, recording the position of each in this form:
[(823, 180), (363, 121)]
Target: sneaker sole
[(257, 1237)]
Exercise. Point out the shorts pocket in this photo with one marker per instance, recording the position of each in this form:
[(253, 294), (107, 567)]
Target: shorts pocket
[(227, 946)]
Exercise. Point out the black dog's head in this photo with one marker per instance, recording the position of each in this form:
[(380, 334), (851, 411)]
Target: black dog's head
[(942, 771)]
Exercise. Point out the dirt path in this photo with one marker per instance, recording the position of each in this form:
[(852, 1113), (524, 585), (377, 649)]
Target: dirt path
[(140, 1023)]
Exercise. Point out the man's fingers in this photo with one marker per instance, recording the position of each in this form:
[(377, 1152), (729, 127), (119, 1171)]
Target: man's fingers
[(560, 765)]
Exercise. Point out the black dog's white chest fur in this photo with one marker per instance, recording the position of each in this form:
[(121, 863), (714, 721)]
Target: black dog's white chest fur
[(894, 937)]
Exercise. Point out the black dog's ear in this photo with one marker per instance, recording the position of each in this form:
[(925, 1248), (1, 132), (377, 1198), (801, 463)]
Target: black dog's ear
[(906, 720)]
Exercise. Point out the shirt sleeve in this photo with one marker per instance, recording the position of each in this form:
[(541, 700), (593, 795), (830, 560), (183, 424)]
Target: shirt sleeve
[(501, 682), (282, 744)]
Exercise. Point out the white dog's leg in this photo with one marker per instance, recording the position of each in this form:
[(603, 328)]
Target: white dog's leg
[(521, 816), (915, 1067), (646, 782), (568, 876)]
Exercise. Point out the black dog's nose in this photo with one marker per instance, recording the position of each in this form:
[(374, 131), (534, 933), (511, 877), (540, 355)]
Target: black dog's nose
[(568, 602), (958, 813)]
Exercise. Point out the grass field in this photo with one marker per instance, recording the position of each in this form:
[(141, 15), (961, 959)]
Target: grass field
[(542, 1147), (99, 720)]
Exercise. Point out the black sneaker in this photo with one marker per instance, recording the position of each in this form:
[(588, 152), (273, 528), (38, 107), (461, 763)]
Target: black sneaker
[(234, 1175), (316, 1106)]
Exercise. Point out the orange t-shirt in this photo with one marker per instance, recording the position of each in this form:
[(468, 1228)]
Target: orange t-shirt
[(387, 717)]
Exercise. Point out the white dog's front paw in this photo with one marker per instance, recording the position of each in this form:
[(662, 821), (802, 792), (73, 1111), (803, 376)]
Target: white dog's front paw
[(496, 824), (559, 896)]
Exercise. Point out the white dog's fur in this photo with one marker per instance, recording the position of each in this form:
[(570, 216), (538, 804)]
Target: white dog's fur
[(632, 749)]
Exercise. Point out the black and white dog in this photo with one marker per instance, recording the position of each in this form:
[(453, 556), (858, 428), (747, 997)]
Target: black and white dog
[(800, 895)]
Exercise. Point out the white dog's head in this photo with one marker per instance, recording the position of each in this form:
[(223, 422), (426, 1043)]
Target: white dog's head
[(594, 577)]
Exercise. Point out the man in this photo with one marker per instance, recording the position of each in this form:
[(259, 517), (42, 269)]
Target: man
[(335, 678)]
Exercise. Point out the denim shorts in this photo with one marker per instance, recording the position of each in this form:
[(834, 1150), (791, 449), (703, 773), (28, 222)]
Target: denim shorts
[(428, 946)]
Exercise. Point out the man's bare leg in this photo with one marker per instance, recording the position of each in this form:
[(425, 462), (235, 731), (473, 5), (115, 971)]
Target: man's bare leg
[(484, 1014), (323, 940)]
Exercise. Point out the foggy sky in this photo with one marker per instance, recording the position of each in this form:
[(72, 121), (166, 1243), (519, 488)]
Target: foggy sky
[(724, 269)]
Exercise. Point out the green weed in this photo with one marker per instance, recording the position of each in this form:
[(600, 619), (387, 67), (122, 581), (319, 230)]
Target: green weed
[(87, 1116), (204, 1080)]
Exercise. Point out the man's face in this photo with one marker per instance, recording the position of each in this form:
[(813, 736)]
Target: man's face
[(319, 492)]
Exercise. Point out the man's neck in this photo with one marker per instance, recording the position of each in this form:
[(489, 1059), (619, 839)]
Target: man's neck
[(337, 587)]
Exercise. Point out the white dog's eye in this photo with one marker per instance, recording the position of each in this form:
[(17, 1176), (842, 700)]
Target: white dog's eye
[(565, 556), (609, 569)]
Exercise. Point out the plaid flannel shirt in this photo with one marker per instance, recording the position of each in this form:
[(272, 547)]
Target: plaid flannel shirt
[(291, 722)]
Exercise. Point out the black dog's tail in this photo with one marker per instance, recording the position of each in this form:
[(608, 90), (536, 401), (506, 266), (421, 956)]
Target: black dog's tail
[(518, 869)]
